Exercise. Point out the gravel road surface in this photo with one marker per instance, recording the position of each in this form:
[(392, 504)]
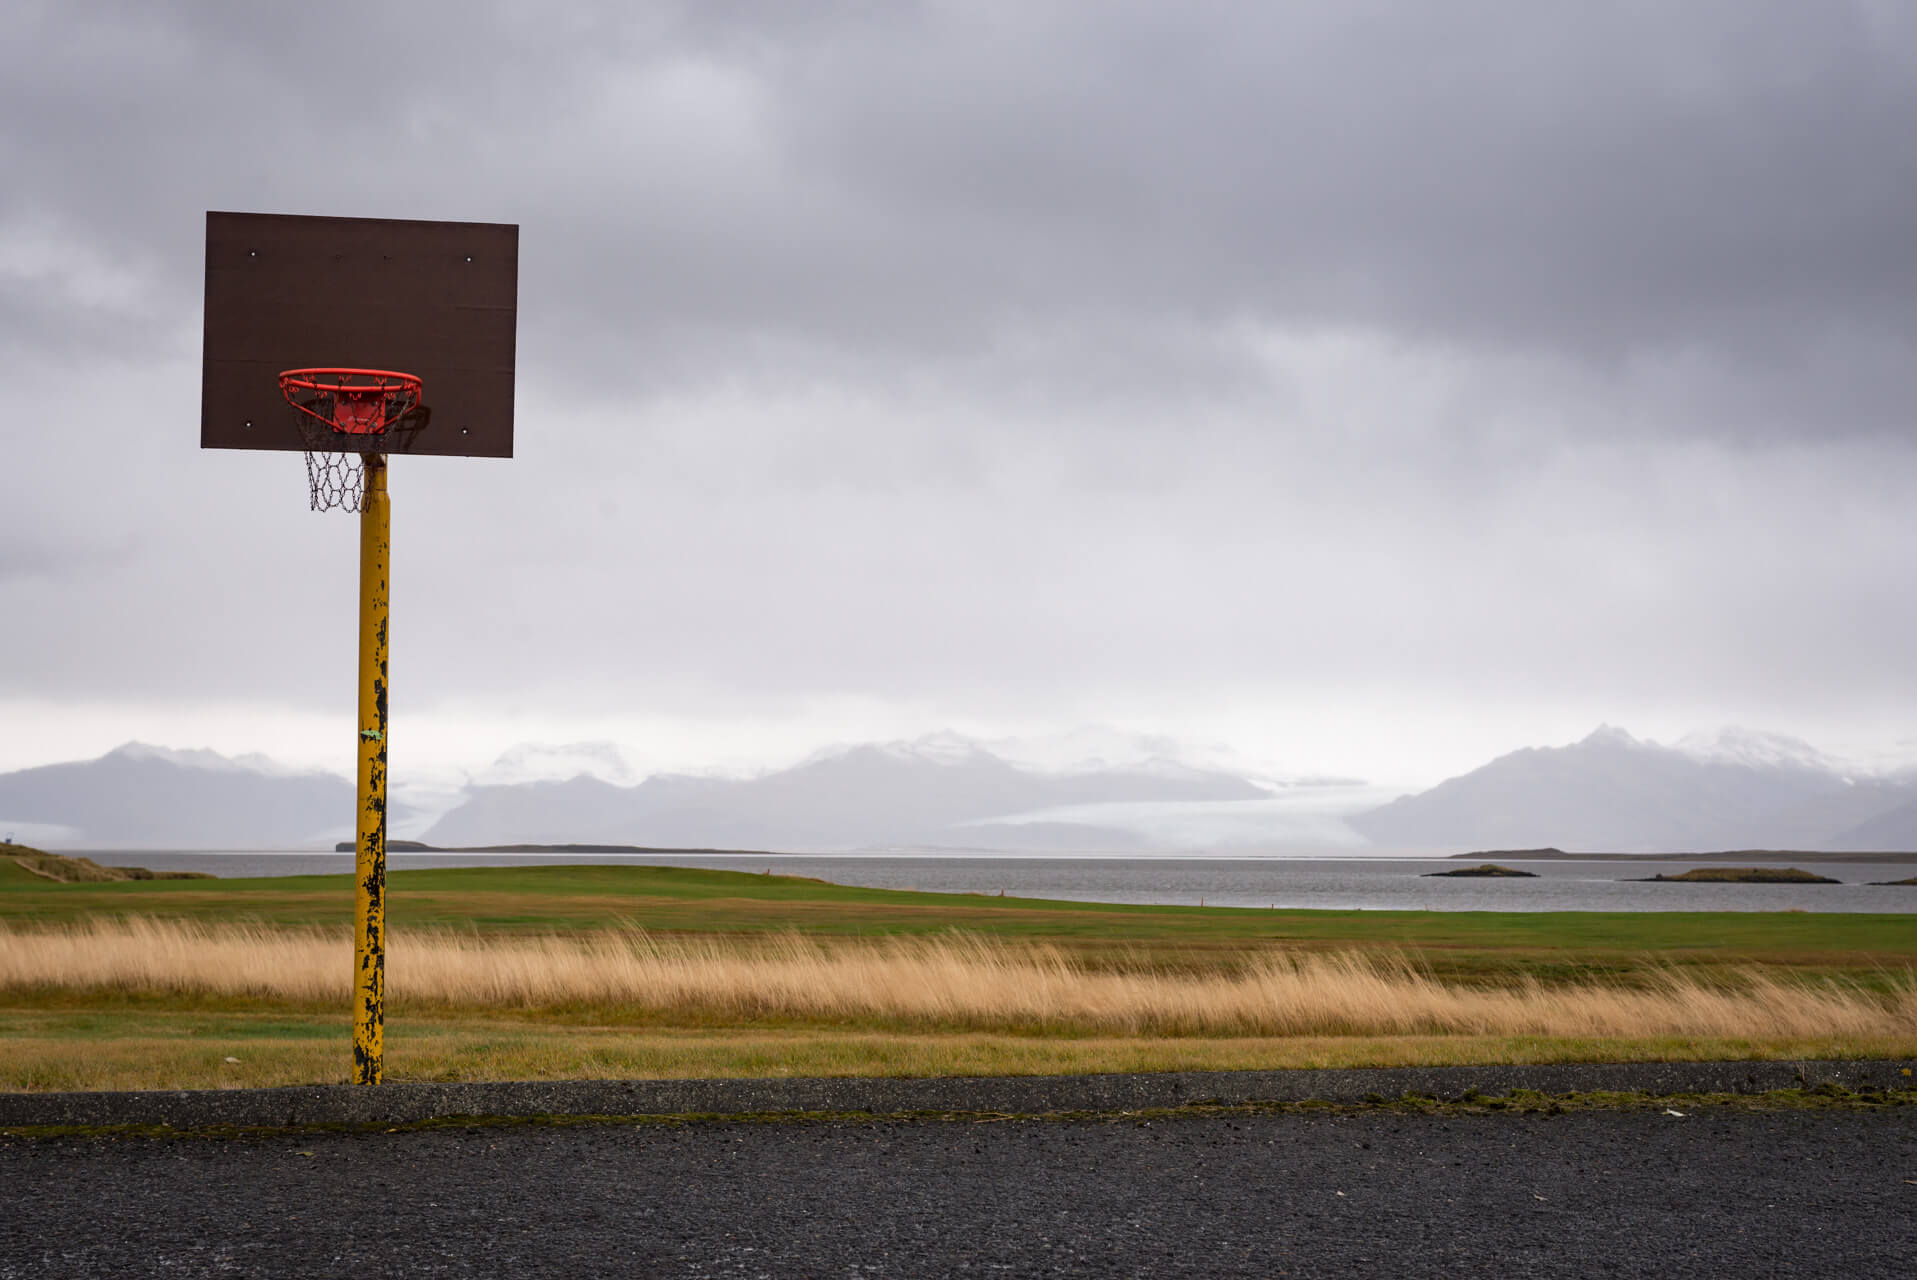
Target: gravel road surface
[(1615, 1193)]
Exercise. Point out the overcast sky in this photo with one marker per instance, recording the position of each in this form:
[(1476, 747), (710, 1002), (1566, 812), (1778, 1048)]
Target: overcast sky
[(1365, 387)]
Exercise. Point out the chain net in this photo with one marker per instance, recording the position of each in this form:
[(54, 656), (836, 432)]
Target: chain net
[(335, 476), (335, 481), (341, 420)]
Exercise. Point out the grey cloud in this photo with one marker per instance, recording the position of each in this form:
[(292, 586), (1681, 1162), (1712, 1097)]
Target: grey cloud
[(1591, 181), (1594, 183), (45, 558), (1020, 355)]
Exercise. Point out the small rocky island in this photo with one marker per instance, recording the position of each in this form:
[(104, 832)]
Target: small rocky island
[(1486, 869), (1743, 875)]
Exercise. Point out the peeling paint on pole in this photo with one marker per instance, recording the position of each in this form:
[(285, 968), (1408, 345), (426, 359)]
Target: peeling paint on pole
[(369, 951)]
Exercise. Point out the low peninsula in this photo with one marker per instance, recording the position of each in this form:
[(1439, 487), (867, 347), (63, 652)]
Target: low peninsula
[(61, 869)]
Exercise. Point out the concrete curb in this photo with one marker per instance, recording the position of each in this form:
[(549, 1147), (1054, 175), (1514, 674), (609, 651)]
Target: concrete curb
[(401, 1103)]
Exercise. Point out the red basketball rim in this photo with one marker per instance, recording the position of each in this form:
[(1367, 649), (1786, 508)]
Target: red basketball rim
[(355, 401)]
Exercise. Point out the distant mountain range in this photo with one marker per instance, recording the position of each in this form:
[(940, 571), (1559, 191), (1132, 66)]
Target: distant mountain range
[(938, 791), (1609, 792), (1738, 789), (142, 797)]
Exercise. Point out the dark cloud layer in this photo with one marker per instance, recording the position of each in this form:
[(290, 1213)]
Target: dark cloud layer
[(1032, 357), (1597, 180)]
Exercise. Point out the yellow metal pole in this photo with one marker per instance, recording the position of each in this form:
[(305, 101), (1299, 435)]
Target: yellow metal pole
[(369, 951)]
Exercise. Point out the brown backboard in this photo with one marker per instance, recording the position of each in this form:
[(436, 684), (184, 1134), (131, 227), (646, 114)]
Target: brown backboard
[(436, 299)]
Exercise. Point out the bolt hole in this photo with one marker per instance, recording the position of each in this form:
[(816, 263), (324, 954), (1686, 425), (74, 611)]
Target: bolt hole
[(469, 257), (249, 425)]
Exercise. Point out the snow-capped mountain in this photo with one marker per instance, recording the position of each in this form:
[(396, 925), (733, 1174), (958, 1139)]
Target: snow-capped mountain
[(1755, 748), (1096, 747), (145, 797), (919, 792), (1734, 788), (1084, 750), (1728, 790), (556, 762), (211, 761), (944, 747)]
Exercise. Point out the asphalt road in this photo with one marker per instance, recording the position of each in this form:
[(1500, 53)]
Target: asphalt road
[(1607, 1193)]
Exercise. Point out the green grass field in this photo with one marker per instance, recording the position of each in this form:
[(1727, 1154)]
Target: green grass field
[(98, 1038), (681, 900)]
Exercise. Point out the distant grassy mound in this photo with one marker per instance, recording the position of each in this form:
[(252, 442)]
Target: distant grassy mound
[(1746, 875), (1910, 881), (1486, 869), (64, 870)]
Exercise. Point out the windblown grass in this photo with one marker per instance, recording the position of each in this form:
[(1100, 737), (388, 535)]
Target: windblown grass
[(1453, 945), (949, 983)]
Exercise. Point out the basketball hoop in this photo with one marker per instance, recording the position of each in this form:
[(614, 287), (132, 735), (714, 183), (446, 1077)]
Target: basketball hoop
[(439, 299), (344, 414)]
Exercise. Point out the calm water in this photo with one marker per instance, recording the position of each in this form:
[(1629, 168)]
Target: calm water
[(1343, 883)]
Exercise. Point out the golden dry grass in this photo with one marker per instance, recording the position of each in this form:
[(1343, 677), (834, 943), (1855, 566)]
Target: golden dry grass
[(951, 983)]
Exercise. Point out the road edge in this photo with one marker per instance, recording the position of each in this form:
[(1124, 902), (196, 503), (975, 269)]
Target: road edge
[(403, 1103)]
